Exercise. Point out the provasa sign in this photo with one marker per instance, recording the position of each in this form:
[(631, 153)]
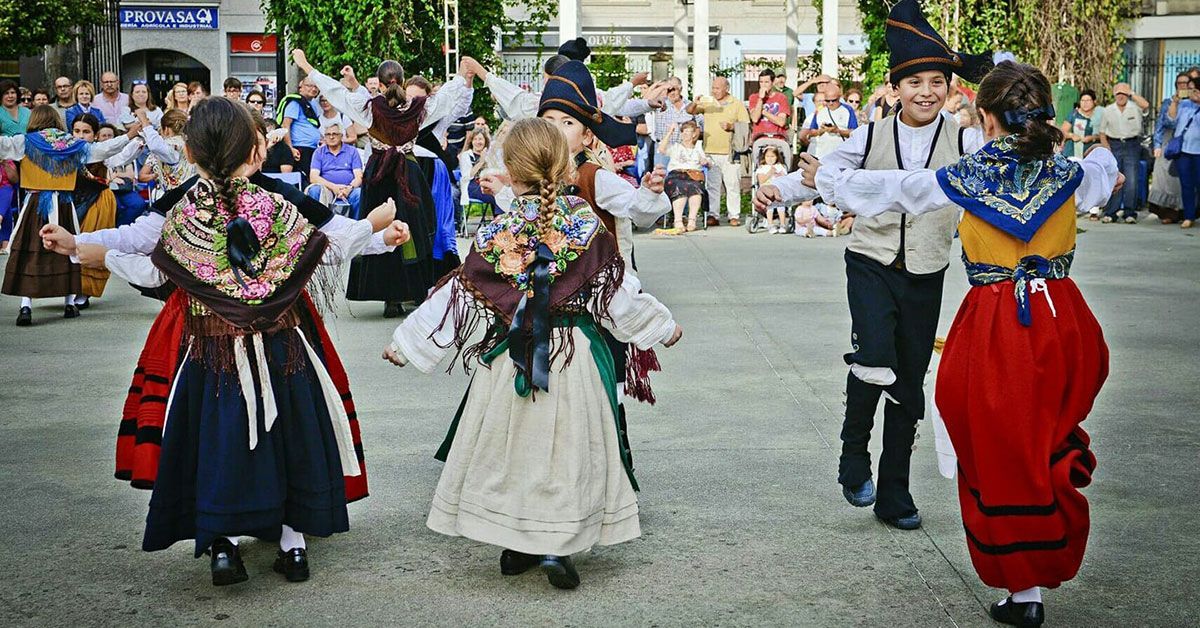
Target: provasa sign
[(169, 18)]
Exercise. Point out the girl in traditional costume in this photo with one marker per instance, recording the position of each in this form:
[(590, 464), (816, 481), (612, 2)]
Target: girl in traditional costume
[(50, 159), (1025, 357), (393, 122), (258, 437), (95, 207), (534, 461)]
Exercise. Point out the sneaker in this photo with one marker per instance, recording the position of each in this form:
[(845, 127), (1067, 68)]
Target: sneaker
[(773, 230)]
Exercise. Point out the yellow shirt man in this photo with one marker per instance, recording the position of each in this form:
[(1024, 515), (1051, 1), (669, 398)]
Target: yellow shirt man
[(721, 110)]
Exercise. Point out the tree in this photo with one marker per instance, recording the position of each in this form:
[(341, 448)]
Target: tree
[(28, 26)]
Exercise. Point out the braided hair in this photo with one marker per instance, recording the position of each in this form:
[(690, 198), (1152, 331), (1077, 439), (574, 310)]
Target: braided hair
[(391, 80), (536, 155), (1022, 90)]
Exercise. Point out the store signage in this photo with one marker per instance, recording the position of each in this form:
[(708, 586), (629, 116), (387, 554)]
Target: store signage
[(169, 18), (252, 44), (656, 39)]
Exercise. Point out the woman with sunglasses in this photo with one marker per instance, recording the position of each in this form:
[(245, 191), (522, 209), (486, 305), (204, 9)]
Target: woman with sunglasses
[(854, 98), (14, 116), (257, 101)]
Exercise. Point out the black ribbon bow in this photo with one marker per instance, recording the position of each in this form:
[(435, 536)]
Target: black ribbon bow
[(241, 246), (537, 311), (1018, 117)]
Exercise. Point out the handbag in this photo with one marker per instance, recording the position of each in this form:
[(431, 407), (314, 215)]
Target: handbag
[(695, 175), (1174, 148)]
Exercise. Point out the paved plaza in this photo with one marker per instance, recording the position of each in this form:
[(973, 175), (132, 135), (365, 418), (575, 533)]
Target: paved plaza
[(743, 522)]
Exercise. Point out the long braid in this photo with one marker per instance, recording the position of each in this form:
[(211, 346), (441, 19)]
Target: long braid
[(549, 194)]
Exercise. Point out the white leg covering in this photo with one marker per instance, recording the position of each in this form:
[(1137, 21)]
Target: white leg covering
[(1028, 595), (27, 302), (290, 539)]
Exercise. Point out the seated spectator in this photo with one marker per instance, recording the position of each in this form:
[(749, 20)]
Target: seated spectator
[(685, 172), (336, 173)]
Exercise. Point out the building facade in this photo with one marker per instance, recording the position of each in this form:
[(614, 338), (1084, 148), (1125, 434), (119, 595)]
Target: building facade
[(1163, 42)]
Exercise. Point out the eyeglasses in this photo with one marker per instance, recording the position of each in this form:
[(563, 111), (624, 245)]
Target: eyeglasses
[(66, 86), (672, 90), (139, 82), (853, 101), (257, 102), (1184, 82)]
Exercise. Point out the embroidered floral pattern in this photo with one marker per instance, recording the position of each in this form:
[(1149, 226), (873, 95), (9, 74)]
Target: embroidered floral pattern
[(195, 237), (510, 240)]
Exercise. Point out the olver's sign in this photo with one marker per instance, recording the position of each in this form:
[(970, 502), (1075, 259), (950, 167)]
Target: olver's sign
[(168, 18)]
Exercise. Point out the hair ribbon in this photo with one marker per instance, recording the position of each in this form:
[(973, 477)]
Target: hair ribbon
[(1018, 117)]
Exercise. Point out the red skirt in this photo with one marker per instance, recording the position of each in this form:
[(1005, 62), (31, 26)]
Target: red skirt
[(139, 437), (1013, 398)]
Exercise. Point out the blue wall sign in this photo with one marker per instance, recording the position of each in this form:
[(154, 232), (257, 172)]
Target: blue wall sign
[(169, 18)]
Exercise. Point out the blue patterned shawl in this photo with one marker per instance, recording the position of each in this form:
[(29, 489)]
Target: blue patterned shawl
[(56, 151), (1012, 194)]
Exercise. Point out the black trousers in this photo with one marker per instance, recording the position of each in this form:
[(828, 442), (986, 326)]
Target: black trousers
[(894, 317)]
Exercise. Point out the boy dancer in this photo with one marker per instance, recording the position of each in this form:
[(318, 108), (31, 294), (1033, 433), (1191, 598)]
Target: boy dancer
[(894, 264)]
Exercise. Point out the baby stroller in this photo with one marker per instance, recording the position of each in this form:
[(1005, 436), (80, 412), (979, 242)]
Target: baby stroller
[(758, 220)]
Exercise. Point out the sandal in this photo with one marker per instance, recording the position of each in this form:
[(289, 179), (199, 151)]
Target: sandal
[(691, 225)]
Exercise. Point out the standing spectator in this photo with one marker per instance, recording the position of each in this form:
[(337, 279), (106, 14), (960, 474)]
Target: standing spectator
[(769, 110), (64, 97), (721, 112), (1121, 132), (832, 124), (782, 88), (177, 98), (84, 92), (14, 117), (373, 86), (337, 172), (25, 97), (474, 162), (1184, 116), (232, 87), (887, 100), (141, 98), (40, 97), (1082, 126), (675, 114), (854, 100), (298, 114), (196, 92), (1166, 195), (257, 101), (110, 101)]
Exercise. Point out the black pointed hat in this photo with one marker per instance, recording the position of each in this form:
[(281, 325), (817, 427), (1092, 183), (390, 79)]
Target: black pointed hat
[(571, 90), (915, 46), (576, 49)]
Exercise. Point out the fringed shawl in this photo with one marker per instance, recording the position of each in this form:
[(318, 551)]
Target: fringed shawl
[(494, 283), (56, 151), (393, 133)]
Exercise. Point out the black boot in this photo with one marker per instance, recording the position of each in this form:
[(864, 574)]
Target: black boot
[(227, 566), (25, 317), (560, 571), (1024, 614), (293, 564), (513, 563)]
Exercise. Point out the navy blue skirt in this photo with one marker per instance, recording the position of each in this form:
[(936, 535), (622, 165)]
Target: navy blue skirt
[(211, 484)]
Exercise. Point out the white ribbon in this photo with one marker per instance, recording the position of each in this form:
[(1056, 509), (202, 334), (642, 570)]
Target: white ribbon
[(337, 413), (1039, 284), (249, 391), (174, 386)]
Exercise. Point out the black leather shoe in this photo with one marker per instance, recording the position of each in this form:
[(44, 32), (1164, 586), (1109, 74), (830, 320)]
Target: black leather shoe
[(70, 312), (87, 302), (513, 563), (392, 310), (907, 522), (25, 317), (560, 571), (293, 564), (1026, 614), (227, 566), (861, 496)]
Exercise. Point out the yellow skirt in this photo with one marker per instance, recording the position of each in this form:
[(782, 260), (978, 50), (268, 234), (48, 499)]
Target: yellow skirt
[(102, 215)]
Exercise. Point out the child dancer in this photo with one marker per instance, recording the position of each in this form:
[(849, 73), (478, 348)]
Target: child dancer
[(895, 265), (538, 470), (49, 158), (257, 440), (1020, 371)]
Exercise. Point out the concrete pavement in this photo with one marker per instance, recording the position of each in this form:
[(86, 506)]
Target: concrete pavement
[(743, 520)]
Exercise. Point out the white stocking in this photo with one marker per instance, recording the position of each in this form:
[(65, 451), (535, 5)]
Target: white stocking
[(70, 299), (290, 539), (1033, 594), (27, 302)]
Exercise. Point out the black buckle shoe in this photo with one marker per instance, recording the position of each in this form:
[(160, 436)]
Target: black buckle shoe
[(560, 571), (87, 302), (293, 564), (514, 563), (227, 565), (70, 311), (1024, 614), (25, 317), (392, 309)]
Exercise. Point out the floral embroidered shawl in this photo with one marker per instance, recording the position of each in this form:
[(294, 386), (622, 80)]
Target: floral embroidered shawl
[(1012, 194)]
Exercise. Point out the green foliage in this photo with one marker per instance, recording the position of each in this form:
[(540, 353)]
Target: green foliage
[(26, 26), (1076, 40), (609, 65), (339, 32)]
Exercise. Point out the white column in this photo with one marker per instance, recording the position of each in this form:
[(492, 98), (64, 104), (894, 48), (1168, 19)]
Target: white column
[(700, 51), (791, 59), (829, 38), (568, 20), (679, 51)]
